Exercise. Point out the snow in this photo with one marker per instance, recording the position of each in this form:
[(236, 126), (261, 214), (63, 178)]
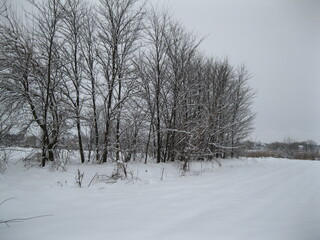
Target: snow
[(258, 199)]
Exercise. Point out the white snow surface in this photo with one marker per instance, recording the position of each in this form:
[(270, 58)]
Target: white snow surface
[(258, 199)]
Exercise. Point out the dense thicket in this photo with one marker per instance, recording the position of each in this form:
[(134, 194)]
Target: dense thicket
[(121, 81)]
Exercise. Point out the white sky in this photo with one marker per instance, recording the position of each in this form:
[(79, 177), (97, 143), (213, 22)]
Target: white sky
[(279, 41)]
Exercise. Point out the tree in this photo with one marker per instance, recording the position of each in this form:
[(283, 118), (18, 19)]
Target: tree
[(48, 74), (31, 70), (73, 29), (89, 48), (15, 50), (181, 49), (154, 72), (119, 24), (241, 113)]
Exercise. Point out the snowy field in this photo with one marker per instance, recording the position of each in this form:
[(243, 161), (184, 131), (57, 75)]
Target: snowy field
[(258, 199)]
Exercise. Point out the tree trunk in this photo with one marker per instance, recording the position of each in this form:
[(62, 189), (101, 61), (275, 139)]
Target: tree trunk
[(148, 142), (80, 141), (158, 134), (118, 123), (95, 117), (107, 130)]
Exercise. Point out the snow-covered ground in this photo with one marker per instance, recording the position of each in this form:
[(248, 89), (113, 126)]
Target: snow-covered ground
[(258, 199)]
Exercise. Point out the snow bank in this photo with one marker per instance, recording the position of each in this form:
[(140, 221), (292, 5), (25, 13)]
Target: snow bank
[(265, 199)]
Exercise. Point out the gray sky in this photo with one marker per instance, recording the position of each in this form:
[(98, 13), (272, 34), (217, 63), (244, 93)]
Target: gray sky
[(279, 41)]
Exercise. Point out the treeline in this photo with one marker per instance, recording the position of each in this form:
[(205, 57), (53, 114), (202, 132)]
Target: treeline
[(121, 79), (305, 150)]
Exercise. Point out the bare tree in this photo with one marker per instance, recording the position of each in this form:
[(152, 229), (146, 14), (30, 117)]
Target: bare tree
[(89, 49), (155, 73), (119, 27), (241, 114), (44, 97), (13, 46), (143, 72), (181, 49), (17, 63), (73, 29)]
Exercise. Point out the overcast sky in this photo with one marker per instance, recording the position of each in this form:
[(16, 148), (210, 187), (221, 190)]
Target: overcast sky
[(279, 41)]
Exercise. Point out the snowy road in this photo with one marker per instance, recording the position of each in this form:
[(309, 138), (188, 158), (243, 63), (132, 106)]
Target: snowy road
[(244, 199)]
